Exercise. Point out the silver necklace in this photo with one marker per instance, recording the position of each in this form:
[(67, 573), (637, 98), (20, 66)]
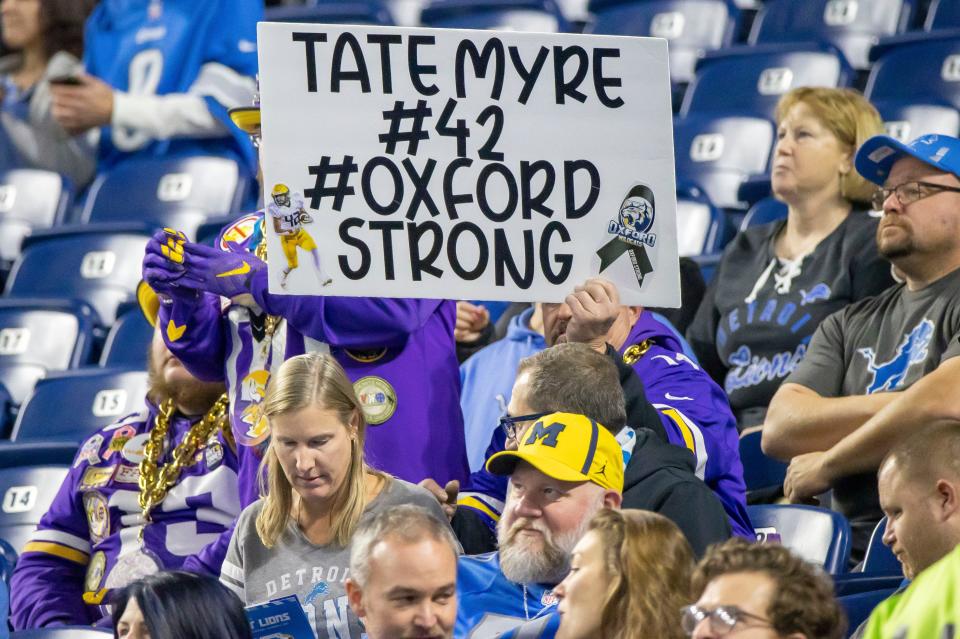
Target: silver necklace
[(526, 611)]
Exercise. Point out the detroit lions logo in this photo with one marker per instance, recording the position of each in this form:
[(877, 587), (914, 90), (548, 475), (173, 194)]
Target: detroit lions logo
[(819, 292), (319, 590), (889, 375)]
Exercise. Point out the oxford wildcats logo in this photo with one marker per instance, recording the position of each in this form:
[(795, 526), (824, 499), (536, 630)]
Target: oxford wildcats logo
[(888, 376), (636, 218)]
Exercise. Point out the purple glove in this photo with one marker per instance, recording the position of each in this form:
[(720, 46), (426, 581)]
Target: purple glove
[(163, 265), (220, 272)]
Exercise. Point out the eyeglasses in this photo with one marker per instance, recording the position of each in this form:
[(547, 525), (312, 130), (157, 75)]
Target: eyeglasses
[(909, 192), (722, 619), (509, 424)]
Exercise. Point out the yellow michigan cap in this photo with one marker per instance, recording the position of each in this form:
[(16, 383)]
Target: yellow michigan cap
[(567, 447)]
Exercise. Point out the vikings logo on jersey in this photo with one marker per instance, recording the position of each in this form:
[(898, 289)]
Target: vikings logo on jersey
[(253, 389)]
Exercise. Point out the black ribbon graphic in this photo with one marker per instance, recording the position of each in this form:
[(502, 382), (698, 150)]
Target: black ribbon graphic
[(613, 249)]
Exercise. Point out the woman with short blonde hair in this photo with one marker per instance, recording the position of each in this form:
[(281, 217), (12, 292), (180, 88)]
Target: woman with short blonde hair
[(776, 282), (315, 488), (628, 573)]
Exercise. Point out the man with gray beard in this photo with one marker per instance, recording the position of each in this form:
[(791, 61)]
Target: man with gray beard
[(565, 469)]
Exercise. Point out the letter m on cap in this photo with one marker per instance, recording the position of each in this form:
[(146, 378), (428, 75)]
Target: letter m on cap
[(546, 435)]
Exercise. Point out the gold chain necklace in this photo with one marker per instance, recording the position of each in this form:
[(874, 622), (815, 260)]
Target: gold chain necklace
[(155, 481)]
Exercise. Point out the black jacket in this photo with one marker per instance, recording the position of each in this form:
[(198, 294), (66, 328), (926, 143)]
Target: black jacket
[(660, 477)]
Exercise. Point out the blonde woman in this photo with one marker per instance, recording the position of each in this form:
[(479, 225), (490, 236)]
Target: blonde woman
[(295, 540), (628, 573), (776, 282)]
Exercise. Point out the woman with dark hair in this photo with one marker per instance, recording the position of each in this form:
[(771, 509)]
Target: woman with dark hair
[(178, 605), (47, 39)]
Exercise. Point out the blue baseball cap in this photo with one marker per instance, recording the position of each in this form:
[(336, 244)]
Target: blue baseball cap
[(877, 155)]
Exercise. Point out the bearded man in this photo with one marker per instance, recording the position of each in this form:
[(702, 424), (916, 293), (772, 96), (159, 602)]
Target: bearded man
[(565, 469)]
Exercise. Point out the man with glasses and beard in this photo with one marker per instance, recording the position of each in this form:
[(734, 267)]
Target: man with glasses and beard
[(884, 367), (151, 491), (565, 469), (658, 476)]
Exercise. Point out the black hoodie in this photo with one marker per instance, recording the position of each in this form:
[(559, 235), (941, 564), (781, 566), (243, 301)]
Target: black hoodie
[(660, 477)]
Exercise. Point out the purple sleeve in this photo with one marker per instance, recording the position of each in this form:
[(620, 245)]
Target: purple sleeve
[(46, 588), (483, 491), (194, 333), (210, 559), (347, 322)]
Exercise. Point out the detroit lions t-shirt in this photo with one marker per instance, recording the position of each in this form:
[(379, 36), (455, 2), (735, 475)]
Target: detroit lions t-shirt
[(759, 313), (881, 344), (294, 566)]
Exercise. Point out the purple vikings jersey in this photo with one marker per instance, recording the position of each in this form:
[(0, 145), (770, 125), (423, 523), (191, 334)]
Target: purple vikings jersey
[(399, 353), (695, 415), (96, 518), (161, 47)]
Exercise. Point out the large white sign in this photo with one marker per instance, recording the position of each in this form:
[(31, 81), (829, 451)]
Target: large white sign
[(467, 164)]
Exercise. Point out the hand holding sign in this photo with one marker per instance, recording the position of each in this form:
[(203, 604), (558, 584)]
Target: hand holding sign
[(215, 271), (594, 306)]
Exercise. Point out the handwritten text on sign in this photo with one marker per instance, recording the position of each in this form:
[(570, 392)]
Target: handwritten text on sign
[(426, 163)]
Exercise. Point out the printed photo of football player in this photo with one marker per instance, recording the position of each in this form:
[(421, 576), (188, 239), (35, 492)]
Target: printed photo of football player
[(288, 217)]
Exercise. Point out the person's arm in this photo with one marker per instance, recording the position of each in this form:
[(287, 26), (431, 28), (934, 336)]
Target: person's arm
[(807, 413), (929, 401), (195, 334), (350, 322), (800, 420), (47, 586)]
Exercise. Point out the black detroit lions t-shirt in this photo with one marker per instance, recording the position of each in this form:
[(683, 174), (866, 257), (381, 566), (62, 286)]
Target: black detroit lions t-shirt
[(885, 343), (755, 323)]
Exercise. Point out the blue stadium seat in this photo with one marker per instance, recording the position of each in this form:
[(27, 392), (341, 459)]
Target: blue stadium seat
[(29, 199), (96, 263), (760, 473), (879, 559), (38, 336), (179, 192), (513, 15), (717, 152), (66, 632), (701, 227), (818, 535), (6, 410), (942, 14), (8, 561), (859, 606), (750, 80), (852, 26), (689, 26), (763, 212), (73, 405), (332, 12), (906, 119), (927, 68), (128, 341), (27, 492)]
